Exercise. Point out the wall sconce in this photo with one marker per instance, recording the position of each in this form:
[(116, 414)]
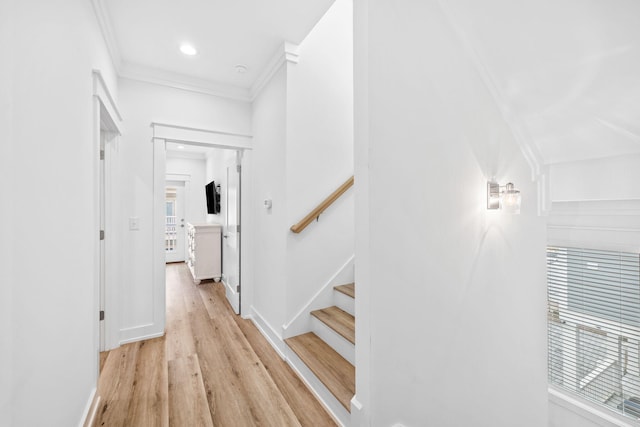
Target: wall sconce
[(505, 198)]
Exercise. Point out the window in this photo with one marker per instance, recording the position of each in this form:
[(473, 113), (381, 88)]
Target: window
[(594, 325)]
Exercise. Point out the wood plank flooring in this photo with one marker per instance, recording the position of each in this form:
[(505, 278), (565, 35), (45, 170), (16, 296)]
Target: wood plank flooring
[(212, 368)]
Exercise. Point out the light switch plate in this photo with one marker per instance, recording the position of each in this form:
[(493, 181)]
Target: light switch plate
[(134, 223)]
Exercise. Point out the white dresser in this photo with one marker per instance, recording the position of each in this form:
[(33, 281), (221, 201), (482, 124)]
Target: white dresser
[(204, 258)]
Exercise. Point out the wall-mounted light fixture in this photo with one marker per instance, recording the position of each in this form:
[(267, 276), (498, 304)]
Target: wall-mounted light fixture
[(505, 198)]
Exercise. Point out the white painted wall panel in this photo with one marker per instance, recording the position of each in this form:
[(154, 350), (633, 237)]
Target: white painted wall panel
[(457, 293), (53, 282), (7, 176), (269, 168)]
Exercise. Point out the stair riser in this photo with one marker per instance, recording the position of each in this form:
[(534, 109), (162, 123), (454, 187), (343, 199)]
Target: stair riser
[(335, 340), (335, 408), (345, 302)]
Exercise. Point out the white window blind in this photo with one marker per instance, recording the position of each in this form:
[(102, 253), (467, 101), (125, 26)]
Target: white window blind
[(594, 325)]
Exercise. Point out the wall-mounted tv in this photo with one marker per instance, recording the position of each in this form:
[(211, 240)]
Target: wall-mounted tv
[(213, 198)]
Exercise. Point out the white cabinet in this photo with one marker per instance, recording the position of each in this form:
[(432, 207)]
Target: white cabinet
[(204, 249)]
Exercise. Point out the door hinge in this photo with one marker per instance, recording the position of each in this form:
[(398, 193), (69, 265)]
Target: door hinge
[(238, 168), (238, 288), (101, 314), (101, 154), (101, 234), (237, 228)]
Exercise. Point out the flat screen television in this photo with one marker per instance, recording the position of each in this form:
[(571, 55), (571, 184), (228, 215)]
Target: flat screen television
[(213, 198)]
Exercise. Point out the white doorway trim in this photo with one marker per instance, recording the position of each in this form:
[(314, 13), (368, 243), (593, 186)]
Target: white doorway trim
[(106, 138), (163, 133)]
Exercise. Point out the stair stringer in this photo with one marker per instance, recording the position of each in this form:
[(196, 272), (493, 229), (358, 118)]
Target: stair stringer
[(340, 415), (301, 322)]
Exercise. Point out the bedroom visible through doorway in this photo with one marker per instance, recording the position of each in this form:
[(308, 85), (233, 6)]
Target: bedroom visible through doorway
[(174, 236)]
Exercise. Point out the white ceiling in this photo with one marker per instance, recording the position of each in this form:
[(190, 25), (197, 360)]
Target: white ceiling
[(147, 35), (564, 73)]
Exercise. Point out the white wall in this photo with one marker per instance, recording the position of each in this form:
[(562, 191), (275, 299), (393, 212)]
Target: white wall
[(142, 104), (6, 214), (52, 325), (216, 170), (196, 202), (457, 294), (269, 170), (320, 154)]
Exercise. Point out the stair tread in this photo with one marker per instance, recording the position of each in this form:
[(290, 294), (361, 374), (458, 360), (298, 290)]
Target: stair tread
[(338, 320), (348, 289), (333, 370)]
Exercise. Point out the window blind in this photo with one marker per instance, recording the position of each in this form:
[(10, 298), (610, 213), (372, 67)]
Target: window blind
[(594, 325)]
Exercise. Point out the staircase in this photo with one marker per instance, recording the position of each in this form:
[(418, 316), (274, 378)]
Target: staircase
[(329, 350)]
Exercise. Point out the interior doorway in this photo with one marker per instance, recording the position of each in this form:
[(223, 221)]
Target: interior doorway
[(236, 146), (106, 133), (174, 235)]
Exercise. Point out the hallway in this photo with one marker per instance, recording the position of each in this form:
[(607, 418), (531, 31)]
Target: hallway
[(211, 368)]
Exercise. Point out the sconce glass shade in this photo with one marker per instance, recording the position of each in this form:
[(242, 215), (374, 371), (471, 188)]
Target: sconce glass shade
[(493, 195), (510, 199)]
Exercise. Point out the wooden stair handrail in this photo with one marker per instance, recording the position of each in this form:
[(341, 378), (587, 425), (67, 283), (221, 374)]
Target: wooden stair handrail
[(315, 213)]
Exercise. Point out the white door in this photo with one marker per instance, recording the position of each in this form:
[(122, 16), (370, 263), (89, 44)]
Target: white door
[(174, 224), (231, 235), (102, 265)]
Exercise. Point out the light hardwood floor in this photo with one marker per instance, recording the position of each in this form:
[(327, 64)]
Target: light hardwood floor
[(212, 368)]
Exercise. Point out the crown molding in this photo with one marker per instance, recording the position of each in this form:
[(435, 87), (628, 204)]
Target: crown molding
[(180, 81), (107, 33), (287, 53)]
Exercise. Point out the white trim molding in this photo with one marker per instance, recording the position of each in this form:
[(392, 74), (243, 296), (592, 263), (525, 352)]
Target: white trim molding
[(183, 177), (107, 32), (102, 92), (287, 53), (268, 332), (585, 409), (201, 137), (151, 75), (90, 409)]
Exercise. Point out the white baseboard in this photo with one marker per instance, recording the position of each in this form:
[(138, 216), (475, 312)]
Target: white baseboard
[(268, 332), (140, 333), (89, 412), (357, 413)]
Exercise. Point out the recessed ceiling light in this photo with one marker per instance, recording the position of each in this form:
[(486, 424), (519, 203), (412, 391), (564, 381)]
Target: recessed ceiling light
[(241, 69), (180, 147), (187, 49)]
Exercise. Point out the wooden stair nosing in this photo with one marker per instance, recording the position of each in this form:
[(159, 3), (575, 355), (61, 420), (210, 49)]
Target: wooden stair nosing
[(349, 289), (333, 370), (338, 320)]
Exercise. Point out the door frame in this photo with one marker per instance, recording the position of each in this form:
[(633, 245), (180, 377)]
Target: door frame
[(163, 133), (231, 293), (106, 138)]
